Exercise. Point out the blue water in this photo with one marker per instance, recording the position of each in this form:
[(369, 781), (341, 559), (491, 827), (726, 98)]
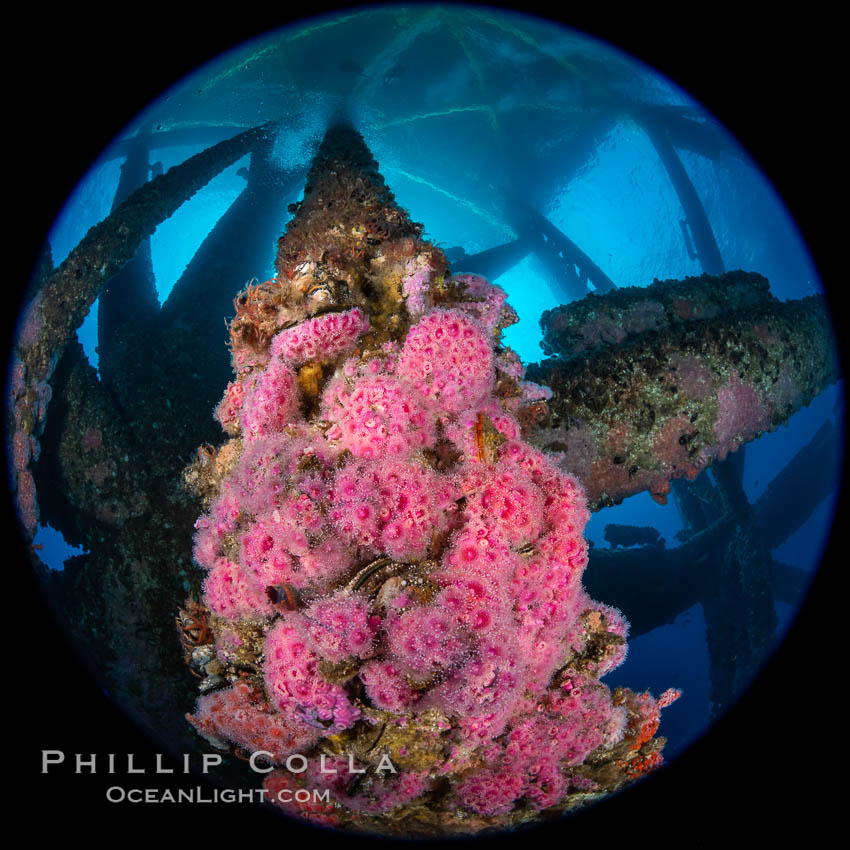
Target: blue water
[(445, 137)]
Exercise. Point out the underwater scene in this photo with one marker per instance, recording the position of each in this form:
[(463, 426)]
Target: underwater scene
[(433, 441)]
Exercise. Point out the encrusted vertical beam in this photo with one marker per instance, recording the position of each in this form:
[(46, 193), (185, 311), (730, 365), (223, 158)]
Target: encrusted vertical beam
[(384, 551), (348, 245), (127, 304), (62, 299)]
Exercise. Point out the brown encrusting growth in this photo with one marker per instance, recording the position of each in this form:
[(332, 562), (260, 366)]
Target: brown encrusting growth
[(658, 383), (108, 478), (348, 245)]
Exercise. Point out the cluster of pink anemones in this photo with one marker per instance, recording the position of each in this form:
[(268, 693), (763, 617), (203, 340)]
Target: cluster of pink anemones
[(321, 338), (379, 416), (448, 357), (485, 543)]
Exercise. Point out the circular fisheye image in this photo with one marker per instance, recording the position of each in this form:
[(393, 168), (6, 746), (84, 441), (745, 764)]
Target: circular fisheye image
[(423, 422)]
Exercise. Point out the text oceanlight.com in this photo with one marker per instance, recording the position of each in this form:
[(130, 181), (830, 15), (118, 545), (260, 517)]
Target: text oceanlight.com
[(116, 794)]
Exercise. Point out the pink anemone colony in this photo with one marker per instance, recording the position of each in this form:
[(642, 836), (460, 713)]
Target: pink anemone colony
[(409, 569)]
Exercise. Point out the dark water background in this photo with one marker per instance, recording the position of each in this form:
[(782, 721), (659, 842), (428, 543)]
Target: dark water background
[(773, 98)]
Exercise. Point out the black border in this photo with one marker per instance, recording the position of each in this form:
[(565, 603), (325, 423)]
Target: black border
[(79, 78)]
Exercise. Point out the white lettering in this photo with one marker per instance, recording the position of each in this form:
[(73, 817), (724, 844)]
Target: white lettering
[(51, 757), (91, 763), (210, 760), (253, 762), (289, 761), (390, 766)]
